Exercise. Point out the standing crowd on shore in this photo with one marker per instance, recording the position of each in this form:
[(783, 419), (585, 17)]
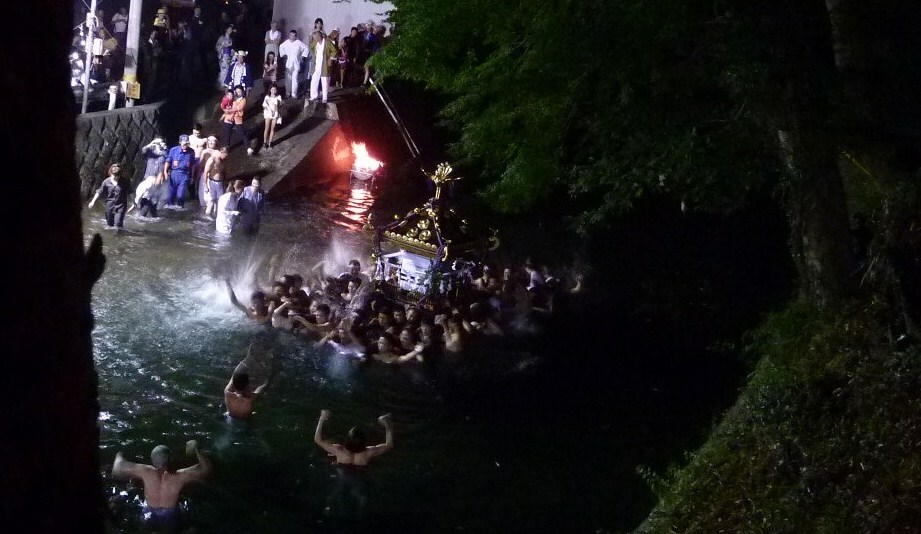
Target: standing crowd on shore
[(181, 48)]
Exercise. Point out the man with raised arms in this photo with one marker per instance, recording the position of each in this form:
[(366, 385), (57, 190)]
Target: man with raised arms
[(353, 457), (162, 485), (238, 397)]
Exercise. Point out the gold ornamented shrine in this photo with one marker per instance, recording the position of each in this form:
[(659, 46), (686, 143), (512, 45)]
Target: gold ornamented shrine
[(418, 256)]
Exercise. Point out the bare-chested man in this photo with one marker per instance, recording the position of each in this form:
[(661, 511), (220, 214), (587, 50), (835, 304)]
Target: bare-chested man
[(213, 180), (238, 397), (209, 151), (161, 484), (353, 457), (260, 311)]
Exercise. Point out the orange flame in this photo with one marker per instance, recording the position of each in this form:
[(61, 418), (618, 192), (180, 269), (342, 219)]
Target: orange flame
[(363, 161)]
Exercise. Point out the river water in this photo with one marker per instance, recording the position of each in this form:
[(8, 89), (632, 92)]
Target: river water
[(542, 433), (477, 453)]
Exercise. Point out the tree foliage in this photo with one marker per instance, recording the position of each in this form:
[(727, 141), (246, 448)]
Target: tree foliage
[(603, 101)]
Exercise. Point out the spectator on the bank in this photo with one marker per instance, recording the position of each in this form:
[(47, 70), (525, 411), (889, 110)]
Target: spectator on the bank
[(180, 167), (233, 120), (224, 48), (251, 206), (98, 68), (244, 21), (272, 40), (154, 54), (185, 51), (197, 31), (114, 189), (311, 57), (361, 50), (120, 26), (351, 49), (101, 18), (271, 115), (372, 45), (292, 50), (323, 53), (226, 103), (342, 61), (238, 74), (334, 66), (269, 72), (161, 20)]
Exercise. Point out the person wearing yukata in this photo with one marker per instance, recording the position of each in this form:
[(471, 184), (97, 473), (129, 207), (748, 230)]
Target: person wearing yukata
[(224, 49), (238, 74)]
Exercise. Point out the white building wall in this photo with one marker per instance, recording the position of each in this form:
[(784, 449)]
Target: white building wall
[(300, 14)]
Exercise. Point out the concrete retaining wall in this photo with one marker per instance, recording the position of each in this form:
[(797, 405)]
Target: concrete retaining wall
[(330, 157), (113, 136)]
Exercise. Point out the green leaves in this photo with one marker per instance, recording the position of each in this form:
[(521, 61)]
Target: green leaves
[(592, 100)]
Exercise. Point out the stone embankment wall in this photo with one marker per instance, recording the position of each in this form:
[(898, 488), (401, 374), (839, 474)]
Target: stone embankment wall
[(113, 136)]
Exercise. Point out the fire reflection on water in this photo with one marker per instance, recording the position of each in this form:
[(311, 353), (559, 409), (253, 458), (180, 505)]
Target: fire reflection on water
[(355, 212)]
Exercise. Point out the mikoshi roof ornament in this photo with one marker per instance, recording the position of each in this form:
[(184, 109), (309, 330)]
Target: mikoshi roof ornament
[(432, 235)]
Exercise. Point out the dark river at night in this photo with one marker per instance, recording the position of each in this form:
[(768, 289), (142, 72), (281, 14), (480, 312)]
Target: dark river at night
[(543, 435)]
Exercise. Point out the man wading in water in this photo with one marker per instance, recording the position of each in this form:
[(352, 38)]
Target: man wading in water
[(352, 460), (161, 485)]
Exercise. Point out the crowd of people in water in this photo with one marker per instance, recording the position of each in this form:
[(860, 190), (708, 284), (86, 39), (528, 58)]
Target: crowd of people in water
[(346, 314), (350, 315), (193, 167)]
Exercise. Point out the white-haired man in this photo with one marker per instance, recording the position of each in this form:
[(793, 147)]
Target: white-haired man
[(162, 484)]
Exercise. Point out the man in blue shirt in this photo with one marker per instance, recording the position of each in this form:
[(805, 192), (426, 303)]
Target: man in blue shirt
[(180, 167)]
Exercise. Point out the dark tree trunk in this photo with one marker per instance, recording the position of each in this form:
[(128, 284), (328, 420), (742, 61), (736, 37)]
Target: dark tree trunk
[(820, 232), (868, 51), (49, 447), (815, 198), (903, 252)]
